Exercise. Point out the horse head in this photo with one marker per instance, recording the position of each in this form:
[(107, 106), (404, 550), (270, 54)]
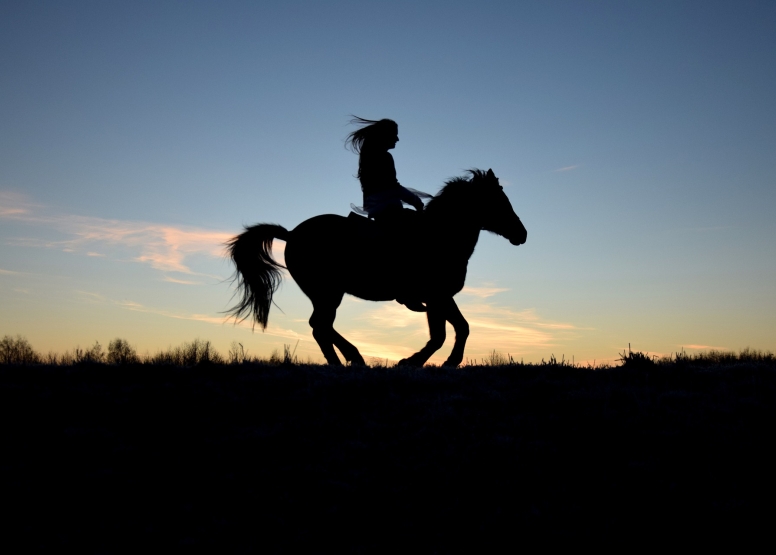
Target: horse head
[(497, 213)]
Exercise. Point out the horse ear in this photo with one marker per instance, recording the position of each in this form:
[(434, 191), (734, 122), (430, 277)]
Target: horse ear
[(490, 173)]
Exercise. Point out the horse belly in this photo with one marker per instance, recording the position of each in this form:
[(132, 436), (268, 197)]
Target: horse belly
[(319, 274)]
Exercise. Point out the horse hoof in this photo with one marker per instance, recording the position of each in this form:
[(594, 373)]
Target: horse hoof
[(451, 363)]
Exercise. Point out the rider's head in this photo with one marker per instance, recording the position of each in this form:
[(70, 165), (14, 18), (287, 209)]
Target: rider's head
[(374, 134)]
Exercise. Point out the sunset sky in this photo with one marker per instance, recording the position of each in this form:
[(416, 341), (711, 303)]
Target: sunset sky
[(636, 141)]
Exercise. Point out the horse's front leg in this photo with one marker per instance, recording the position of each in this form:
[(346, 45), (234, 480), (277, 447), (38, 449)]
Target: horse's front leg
[(436, 327), (461, 327)]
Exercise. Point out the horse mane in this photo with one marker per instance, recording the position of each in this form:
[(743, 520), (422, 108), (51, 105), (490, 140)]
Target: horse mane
[(454, 191)]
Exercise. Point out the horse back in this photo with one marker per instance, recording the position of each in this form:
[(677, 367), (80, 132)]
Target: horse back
[(335, 253), (330, 235)]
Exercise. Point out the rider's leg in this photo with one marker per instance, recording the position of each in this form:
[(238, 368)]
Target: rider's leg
[(401, 224)]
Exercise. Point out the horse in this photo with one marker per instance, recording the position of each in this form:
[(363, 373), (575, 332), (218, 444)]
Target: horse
[(330, 255)]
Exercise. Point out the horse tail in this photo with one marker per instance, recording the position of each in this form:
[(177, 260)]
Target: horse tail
[(257, 274)]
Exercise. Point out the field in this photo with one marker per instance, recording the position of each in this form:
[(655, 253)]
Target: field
[(274, 456)]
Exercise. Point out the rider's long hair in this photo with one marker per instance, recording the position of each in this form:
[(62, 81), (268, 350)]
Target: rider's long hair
[(371, 134), (371, 131)]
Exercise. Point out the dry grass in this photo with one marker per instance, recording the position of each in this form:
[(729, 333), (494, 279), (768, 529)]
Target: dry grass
[(18, 351)]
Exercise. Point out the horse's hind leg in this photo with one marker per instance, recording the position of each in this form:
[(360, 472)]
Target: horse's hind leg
[(322, 322), (347, 349)]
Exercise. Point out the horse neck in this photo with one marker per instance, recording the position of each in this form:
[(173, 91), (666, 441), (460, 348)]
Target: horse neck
[(468, 240), (456, 231)]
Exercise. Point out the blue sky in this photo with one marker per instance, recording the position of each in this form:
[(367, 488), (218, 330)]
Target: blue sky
[(637, 142)]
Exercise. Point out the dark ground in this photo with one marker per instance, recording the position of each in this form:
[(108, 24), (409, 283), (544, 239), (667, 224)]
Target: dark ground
[(310, 459)]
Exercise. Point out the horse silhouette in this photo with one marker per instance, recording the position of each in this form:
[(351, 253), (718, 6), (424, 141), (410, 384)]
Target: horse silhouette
[(331, 255)]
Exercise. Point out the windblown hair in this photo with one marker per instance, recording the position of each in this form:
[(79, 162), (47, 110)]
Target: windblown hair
[(371, 129)]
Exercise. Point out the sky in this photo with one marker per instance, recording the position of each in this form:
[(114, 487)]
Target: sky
[(635, 140)]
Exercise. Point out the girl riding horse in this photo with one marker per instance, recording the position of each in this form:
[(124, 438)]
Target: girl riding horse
[(383, 194), (328, 260)]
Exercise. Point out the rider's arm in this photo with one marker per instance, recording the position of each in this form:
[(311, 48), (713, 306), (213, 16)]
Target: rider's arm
[(410, 198)]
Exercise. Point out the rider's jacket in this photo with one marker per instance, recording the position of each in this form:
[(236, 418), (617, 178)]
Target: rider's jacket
[(382, 190)]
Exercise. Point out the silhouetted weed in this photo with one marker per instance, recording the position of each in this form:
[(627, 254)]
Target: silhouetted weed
[(637, 360)]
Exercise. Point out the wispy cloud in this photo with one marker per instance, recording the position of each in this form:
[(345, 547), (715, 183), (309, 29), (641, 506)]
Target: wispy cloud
[(566, 168), (499, 327), (218, 320), (482, 292), (137, 307), (13, 204), (181, 281), (703, 229), (9, 272), (163, 247), (393, 315), (391, 332), (703, 347), (98, 298)]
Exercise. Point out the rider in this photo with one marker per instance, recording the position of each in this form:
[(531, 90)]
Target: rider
[(383, 194)]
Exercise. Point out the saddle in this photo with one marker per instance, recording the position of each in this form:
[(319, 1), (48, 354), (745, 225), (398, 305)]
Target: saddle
[(355, 219), (386, 233)]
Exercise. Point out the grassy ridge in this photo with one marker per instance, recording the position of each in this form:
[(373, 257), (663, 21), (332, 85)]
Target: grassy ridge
[(19, 351), (284, 457)]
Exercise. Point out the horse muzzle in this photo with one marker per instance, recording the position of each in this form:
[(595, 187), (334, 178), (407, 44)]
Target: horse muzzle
[(519, 236)]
